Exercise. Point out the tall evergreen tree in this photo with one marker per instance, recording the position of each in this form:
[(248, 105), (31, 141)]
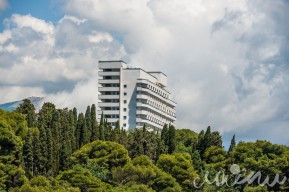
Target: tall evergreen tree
[(102, 128), (50, 158), (171, 139), (28, 155), (82, 130), (43, 149), (55, 129), (233, 143), (71, 131), (88, 123), (27, 108), (36, 153), (94, 125)]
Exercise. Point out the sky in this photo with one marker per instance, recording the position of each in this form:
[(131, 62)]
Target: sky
[(227, 61)]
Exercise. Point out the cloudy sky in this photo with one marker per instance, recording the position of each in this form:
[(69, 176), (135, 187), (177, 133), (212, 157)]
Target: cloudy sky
[(227, 61)]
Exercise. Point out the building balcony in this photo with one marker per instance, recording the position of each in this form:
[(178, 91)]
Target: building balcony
[(108, 89), (148, 123), (168, 101), (144, 105), (108, 112), (108, 97), (141, 96), (108, 81), (104, 104), (108, 73)]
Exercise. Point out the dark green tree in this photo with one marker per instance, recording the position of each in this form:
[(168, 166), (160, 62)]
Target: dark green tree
[(28, 109), (94, 125), (102, 128), (233, 143), (88, 123), (171, 139), (28, 155)]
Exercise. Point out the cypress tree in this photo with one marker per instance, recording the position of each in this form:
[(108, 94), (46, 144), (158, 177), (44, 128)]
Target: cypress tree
[(28, 154), (101, 128), (27, 108), (55, 127), (88, 124), (171, 139), (78, 130), (71, 131), (43, 149), (94, 125), (164, 134), (83, 137), (36, 153), (65, 144), (117, 127), (233, 143), (50, 158)]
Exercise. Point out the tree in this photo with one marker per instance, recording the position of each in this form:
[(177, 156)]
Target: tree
[(102, 128), (28, 109), (94, 125), (88, 124), (104, 153), (142, 171), (233, 143), (179, 165), (28, 155), (171, 139)]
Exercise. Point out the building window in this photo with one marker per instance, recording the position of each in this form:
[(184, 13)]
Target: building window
[(113, 124), (124, 124), (124, 93), (124, 101), (124, 86), (124, 117), (124, 109)]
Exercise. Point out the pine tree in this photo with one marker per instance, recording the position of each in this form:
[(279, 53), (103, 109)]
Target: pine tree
[(233, 144), (78, 130), (94, 125), (28, 155)]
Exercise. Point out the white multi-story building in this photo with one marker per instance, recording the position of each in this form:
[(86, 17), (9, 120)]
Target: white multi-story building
[(133, 96)]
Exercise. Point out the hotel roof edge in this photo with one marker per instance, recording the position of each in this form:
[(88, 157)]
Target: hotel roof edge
[(110, 61)]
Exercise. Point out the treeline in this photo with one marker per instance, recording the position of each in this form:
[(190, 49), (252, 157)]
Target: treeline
[(63, 150)]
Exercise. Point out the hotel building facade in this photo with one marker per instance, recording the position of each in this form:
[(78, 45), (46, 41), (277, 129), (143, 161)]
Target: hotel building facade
[(134, 96)]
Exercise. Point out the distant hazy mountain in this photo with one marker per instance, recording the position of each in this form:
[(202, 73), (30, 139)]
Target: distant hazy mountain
[(14, 104)]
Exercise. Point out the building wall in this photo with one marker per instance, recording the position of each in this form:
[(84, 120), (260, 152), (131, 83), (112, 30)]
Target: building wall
[(146, 99)]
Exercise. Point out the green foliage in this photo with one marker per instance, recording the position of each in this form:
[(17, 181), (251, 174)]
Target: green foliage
[(142, 171), (27, 108), (179, 165), (104, 153), (83, 179), (255, 189)]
